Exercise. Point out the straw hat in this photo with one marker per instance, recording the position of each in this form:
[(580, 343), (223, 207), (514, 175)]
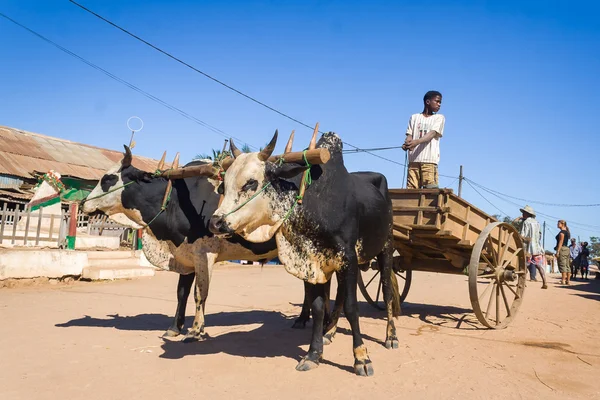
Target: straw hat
[(528, 210)]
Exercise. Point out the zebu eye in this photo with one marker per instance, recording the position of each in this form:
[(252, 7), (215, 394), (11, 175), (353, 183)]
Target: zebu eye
[(252, 184)]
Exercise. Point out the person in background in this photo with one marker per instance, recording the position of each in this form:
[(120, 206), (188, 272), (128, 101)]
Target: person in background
[(574, 250), (584, 262), (423, 143), (563, 254), (530, 229)]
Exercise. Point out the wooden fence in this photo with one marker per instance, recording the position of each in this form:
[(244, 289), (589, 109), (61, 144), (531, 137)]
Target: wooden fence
[(9, 230), (51, 230)]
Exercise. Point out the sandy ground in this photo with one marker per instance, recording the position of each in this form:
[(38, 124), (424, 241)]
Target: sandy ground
[(102, 341)]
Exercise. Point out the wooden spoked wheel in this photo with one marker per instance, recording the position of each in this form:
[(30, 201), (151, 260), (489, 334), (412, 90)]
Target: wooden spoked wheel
[(497, 275), (370, 285)]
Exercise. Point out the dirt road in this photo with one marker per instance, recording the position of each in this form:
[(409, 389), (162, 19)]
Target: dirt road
[(102, 341)]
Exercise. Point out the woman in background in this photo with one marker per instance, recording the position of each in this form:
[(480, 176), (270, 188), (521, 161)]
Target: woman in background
[(583, 261), (563, 253)]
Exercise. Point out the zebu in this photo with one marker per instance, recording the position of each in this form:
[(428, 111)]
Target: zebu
[(344, 220), (177, 239)]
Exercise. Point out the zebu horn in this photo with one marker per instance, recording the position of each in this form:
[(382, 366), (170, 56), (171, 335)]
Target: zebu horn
[(288, 146), (175, 164), (267, 151), (311, 146), (161, 163), (234, 150), (127, 158), (313, 140)]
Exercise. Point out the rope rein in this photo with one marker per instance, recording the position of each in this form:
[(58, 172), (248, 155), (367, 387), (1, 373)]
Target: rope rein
[(109, 191), (306, 181)]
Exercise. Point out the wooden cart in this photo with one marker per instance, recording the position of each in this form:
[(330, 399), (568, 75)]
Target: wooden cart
[(437, 231)]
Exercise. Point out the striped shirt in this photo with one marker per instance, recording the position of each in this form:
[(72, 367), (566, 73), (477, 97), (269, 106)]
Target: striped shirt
[(418, 126), (531, 229)]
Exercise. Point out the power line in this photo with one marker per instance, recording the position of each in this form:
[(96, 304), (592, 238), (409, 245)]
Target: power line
[(579, 225), (126, 83), (493, 205), (189, 65), (251, 98), (540, 202)]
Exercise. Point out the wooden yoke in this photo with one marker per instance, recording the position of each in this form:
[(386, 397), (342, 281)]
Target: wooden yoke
[(311, 146), (315, 156), (221, 156)]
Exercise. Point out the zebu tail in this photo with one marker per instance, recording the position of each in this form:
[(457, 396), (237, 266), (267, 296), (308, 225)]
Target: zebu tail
[(395, 295)]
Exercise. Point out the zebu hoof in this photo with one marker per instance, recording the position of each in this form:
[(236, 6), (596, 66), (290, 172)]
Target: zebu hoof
[(193, 336), (299, 323), (391, 343), (171, 333), (306, 364), (363, 368), (328, 338)]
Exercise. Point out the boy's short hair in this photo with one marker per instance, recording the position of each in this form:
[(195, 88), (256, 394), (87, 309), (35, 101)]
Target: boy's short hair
[(430, 95)]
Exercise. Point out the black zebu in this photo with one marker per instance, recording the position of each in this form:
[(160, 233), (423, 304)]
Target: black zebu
[(177, 239), (345, 220)]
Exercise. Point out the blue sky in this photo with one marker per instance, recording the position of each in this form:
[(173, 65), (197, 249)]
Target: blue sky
[(519, 81)]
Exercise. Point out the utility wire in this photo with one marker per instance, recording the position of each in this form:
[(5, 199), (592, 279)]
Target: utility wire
[(493, 205), (538, 202), (221, 82), (124, 82), (579, 225)]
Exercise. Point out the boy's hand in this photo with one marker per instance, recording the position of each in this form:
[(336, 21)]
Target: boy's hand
[(412, 144)]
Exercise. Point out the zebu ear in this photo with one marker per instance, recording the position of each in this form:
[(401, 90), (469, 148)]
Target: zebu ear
[(127, 157), (285, 170)]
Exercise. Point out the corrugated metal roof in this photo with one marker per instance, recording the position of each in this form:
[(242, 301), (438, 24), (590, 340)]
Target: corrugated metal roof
[(22, 153)]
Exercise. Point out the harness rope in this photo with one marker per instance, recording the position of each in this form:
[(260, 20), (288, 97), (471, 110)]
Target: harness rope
[(306, 180), (163, 207)]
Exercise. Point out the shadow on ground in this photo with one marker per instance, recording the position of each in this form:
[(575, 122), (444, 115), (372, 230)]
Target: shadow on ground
[(589, 289), (273, 338)]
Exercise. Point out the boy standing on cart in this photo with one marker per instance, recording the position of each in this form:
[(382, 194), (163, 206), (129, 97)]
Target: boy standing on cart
[(423, 143)]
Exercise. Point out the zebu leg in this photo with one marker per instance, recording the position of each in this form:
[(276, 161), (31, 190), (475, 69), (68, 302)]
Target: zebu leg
[(304, 317), (183, 292), (203, 266), (315, 351), (391, 294), (331, 326), (349, 278)]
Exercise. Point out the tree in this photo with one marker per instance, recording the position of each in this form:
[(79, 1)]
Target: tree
[(217, 153), (517, 224), (594, 246)]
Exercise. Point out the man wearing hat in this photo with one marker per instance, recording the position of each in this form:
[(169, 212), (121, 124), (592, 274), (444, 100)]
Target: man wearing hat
[(574, 250), (535, 252)]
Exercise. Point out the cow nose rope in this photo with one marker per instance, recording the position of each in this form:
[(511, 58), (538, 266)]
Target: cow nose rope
[(163, 207), (107, 192)]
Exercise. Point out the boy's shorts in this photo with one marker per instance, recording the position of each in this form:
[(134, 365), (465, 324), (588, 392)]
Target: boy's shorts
[(422, 175)]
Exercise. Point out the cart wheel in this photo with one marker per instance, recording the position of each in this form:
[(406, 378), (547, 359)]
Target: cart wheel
[(369, 283), (497, 275)]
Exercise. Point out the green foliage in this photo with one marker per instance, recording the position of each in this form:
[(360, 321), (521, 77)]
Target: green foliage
[(216, 154), (594, 246)]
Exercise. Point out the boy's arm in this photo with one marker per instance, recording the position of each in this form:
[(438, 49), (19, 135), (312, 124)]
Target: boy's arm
[(436, 131), (425, 139)]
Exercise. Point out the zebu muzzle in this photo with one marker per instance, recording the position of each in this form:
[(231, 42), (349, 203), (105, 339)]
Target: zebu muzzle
[(219, 227)]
